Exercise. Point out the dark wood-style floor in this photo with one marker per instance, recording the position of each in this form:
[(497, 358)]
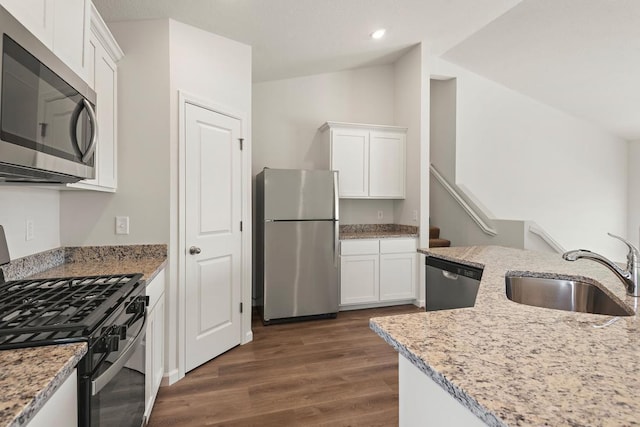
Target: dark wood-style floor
[(334, 372)]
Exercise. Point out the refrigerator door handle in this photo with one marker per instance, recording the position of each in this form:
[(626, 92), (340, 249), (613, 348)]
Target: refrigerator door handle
[(336, 219)]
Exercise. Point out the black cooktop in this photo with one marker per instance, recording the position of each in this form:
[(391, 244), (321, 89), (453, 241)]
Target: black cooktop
[(58, 310)]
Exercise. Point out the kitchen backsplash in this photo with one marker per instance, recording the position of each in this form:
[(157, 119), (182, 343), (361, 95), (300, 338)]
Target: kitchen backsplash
[(377, 228)]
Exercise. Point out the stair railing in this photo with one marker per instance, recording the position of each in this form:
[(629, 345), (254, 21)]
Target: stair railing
[(486, 228), (535, 229)]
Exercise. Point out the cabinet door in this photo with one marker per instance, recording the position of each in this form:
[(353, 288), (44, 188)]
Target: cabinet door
[(103, 78), (71, 32), (158, 345), (106, 87), (387, 165), (350, 156), (398, 276), (359, 279), (154, 341), (36, 15), (61, 410)]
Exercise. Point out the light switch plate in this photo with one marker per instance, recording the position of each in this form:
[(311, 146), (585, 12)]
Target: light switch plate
[(122, 225), (29, 232), (380, 214)]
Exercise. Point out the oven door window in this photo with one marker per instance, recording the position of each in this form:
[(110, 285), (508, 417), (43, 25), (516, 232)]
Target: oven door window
[(41, 111), (121, 401)]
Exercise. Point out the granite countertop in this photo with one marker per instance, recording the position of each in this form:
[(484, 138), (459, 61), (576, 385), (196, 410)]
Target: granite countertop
[(29, 376), (377, 231), (517, 365)]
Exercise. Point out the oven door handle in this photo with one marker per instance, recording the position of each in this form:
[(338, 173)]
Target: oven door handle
[(99, 383)]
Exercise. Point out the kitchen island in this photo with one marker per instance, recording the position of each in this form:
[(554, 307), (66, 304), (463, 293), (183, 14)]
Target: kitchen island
[(510, 364)]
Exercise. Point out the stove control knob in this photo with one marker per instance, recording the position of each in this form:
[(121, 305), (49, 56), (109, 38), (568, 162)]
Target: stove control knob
[(108, 344), (113, 342), (121, 331)]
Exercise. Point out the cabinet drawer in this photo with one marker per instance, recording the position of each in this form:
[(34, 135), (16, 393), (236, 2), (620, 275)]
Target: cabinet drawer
[(396, 246), (155, 289), (359, 247)]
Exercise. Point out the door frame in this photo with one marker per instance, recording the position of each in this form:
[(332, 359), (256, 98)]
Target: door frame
[(185, 98)]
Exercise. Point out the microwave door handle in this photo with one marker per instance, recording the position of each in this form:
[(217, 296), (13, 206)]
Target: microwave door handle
[(94, 131), (99, 383)]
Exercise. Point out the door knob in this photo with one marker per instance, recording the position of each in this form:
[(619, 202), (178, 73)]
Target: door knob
[(194, 250)]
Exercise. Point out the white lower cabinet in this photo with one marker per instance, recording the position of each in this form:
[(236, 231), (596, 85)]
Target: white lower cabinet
[(373, 271), (62, 407), (154, 344), (421, 397)]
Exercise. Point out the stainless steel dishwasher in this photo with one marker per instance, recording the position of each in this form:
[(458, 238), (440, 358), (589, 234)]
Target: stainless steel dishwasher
[(450, 285)]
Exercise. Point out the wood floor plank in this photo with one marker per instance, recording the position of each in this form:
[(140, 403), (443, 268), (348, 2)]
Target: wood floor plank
[(333, 372)]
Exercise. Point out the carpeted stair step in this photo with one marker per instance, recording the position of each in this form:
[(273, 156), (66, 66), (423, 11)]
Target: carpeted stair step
[(439, 243), (434, 233)]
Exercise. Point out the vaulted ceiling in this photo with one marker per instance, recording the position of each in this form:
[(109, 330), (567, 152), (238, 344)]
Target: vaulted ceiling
[(581, 56)]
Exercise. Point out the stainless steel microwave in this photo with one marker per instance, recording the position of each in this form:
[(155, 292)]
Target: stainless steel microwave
[(48, 126)]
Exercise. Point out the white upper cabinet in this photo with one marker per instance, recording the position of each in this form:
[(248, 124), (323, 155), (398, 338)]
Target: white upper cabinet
[(387, 164), (71, 33), (370, 159), (61, 25), (35, 15), (102, 75)]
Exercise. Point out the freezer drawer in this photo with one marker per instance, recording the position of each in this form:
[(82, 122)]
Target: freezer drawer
[(450, 285), (300, 269)]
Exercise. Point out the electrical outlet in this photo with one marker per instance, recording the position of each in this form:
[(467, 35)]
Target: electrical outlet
[(122, 225), (415, 215), (29, 232), (380, 214)]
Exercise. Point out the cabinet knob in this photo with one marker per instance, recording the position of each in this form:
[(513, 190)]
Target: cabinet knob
[(194, 250)]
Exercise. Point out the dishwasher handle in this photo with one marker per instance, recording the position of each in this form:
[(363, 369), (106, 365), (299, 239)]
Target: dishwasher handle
[(449, 275)]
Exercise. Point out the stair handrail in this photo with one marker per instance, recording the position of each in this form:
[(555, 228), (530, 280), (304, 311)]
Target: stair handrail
[(538, 231), (486, 228)]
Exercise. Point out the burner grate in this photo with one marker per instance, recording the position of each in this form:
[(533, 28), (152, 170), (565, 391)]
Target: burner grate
[(42, 310)]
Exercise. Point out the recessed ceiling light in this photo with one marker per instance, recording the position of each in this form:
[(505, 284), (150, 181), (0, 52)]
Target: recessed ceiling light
[(378, 34)]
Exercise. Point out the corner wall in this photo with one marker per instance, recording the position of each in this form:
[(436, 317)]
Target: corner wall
[(88, 217), (633, 193), (409, 86), (525, 160), (40, 205), (287, 114)]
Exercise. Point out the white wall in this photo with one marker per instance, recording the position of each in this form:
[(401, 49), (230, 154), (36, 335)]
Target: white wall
[(410, 88), (287, 114), (525, 160), (633, 194), (442, 132), (42, 206), (218, 71), (88, 218)]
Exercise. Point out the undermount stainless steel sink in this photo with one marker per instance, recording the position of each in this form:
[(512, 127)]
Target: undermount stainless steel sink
[(569, 295)]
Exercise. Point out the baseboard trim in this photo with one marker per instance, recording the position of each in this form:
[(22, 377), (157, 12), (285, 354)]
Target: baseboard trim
[(170, 378), (376, 305)]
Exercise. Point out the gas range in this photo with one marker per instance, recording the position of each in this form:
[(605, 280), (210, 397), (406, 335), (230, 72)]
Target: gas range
[(61, 310), (107, 312)]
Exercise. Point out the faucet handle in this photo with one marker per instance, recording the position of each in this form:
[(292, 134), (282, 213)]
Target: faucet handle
[(633, 251)]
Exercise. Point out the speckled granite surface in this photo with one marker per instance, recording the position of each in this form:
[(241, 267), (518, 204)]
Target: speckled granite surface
[(377, 231), (516, 365), (90, 261), (29, 376)]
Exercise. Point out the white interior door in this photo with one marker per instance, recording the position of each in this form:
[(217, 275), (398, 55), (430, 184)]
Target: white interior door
[(212, 233)]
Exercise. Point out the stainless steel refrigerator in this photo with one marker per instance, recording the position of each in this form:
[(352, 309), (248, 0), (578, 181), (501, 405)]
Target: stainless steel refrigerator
[(297, 273)]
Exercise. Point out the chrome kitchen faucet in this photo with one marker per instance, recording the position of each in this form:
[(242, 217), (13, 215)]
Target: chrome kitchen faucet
[(629, 276)]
